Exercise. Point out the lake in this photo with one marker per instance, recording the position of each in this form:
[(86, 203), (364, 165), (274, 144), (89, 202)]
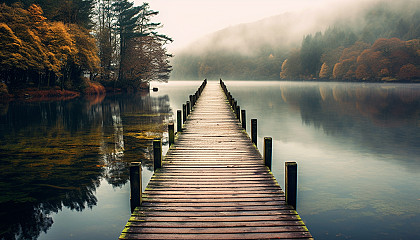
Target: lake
[(64, 164)]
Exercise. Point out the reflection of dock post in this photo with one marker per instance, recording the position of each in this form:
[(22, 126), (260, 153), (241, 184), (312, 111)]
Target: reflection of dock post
[(135, 185), (157, 153), (268, 151), (171, 133), (178, 121), (243, 119), (254, 131), (291, 183)]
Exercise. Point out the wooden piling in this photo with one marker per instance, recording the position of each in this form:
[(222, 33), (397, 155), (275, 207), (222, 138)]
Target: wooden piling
[(178, 121), (254, 131), (291, 183), (243, 119), (135, 185), (268, 151), (188, 108), (171, 133), (157, 153), (184, 113), (238, 112), (191, 101)]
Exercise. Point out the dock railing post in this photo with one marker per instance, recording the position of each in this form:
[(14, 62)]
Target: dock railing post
[(171, 133), (238, 113), (184, 113), (157, 153), (188, 108), (243, 119), (135, 185), (291, 183), (178, 121), (191, 101), (268, 151), (254, 131)]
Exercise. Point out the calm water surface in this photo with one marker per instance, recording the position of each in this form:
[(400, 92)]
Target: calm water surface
[(358, 153), (63, 164)]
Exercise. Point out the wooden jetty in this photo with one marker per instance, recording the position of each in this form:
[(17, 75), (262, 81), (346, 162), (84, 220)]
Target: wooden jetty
[(213, 184)]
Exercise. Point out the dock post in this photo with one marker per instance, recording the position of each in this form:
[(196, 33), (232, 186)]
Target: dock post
[(135, 185), (171, 133), (243, 119), (191, 101), (157, 153), (184, 113), (238, 112), (254, 131), (268, 151), (178, 121), (291, 183), (188, 108)]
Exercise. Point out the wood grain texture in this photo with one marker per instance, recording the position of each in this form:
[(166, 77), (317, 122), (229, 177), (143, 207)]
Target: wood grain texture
[(213, 184)]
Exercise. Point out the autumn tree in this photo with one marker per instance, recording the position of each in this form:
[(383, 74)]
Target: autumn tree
[(346, 67), (37, 52), (291, 67)]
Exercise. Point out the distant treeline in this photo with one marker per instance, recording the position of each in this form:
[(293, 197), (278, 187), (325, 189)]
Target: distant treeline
[(384, 46), (68, 44), (324, 57)]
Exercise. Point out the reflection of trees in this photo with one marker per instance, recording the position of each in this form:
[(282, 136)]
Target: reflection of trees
[(381, 117), (54, 154), (142, 118)]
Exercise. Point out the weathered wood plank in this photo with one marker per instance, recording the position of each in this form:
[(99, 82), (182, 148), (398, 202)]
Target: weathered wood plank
[(213, 185), (216, 204), (216, 224), (220, 236), (216, 219), (166, 208), (206, 230), (148, 213)]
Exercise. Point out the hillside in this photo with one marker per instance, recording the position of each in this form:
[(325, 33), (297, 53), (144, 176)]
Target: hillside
[(258, 50)]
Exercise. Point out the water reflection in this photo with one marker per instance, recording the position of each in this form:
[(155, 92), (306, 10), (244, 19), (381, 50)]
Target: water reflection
[(357, 146), (54, 154), (384, 119)]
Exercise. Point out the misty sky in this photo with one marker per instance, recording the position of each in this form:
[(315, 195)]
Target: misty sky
[(187, 20)]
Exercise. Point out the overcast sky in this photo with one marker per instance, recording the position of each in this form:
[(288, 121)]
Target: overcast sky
[(187, 20)]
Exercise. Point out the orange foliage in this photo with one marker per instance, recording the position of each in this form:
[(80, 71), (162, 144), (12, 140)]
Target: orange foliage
[(324, 70), (35, 95), (409, 71), (386, 59), (346, 67), (94, 88)]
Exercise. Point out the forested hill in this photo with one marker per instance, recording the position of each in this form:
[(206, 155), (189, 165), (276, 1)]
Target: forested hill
[(379, 41)]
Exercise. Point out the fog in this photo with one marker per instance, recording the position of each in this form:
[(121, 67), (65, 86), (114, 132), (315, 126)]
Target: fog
[(187, 20), (286, 30), (234, 39)]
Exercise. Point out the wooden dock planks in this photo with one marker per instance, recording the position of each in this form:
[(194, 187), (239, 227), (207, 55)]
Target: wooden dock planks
[(213, 185)]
